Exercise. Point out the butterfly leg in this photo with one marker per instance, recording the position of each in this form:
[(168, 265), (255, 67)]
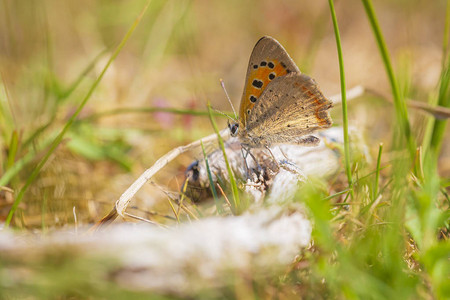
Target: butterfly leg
[(248, 152), (247, 171), (273, 156)]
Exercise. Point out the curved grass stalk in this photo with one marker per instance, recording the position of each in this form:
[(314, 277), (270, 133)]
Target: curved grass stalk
[(211, 182), (237, 209), (343, 95), (399, 102)]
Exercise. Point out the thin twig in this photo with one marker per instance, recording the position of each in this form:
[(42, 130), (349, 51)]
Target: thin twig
[(124, 200), (224, 195)]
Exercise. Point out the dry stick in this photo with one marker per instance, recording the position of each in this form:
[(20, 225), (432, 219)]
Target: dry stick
[(224, 195), (439, 112), (124, 200), (187, 210), (144, 220), (171, 198), (352, 93)]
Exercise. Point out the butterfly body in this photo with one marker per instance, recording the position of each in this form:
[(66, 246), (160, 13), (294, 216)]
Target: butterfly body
[(279, 105)]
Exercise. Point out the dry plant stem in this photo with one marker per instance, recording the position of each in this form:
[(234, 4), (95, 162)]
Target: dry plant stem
[(124, 200), (224, 195), (143, 220), (439, 112), (352, 93), (343, 97)]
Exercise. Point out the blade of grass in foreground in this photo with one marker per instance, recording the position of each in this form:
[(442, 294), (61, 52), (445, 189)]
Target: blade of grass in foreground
[(445, 38), (211, 182), (177, 111), (236, 202), (69, 123), (24, 161), (438, 130), (377, 175), (435, 134), (399, 102), (12, 150), (402, 166), (343, 95)]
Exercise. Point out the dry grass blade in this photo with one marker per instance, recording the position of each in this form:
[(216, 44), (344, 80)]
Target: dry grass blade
[(439, 112), (125, 198)]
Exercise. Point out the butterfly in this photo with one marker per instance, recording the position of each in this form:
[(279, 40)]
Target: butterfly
[(279, 105)]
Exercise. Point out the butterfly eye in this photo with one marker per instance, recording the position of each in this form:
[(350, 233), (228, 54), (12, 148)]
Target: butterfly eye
[(234, 127)]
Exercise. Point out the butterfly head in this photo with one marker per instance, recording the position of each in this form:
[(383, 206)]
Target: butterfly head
[(234, 128)]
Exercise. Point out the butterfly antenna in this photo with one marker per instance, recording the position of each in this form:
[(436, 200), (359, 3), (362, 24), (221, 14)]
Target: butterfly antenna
[(228, 97)]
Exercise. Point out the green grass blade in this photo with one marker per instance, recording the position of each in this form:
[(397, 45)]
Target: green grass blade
[(7, 122), (446, 35), (177, 111), (236, 201), (399, 102), (68, 91), (337, 195), (211, 182), (343, 95), (436, 134), (12, 150), (439, 126), (44, 212), (69, 123), (33, 137), (22, 162), (377, 174)]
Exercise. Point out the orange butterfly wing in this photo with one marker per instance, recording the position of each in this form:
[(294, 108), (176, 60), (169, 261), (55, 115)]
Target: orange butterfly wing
[(267, 61)]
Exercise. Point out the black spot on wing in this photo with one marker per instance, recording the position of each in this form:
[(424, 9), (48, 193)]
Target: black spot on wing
[(257, 83)]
